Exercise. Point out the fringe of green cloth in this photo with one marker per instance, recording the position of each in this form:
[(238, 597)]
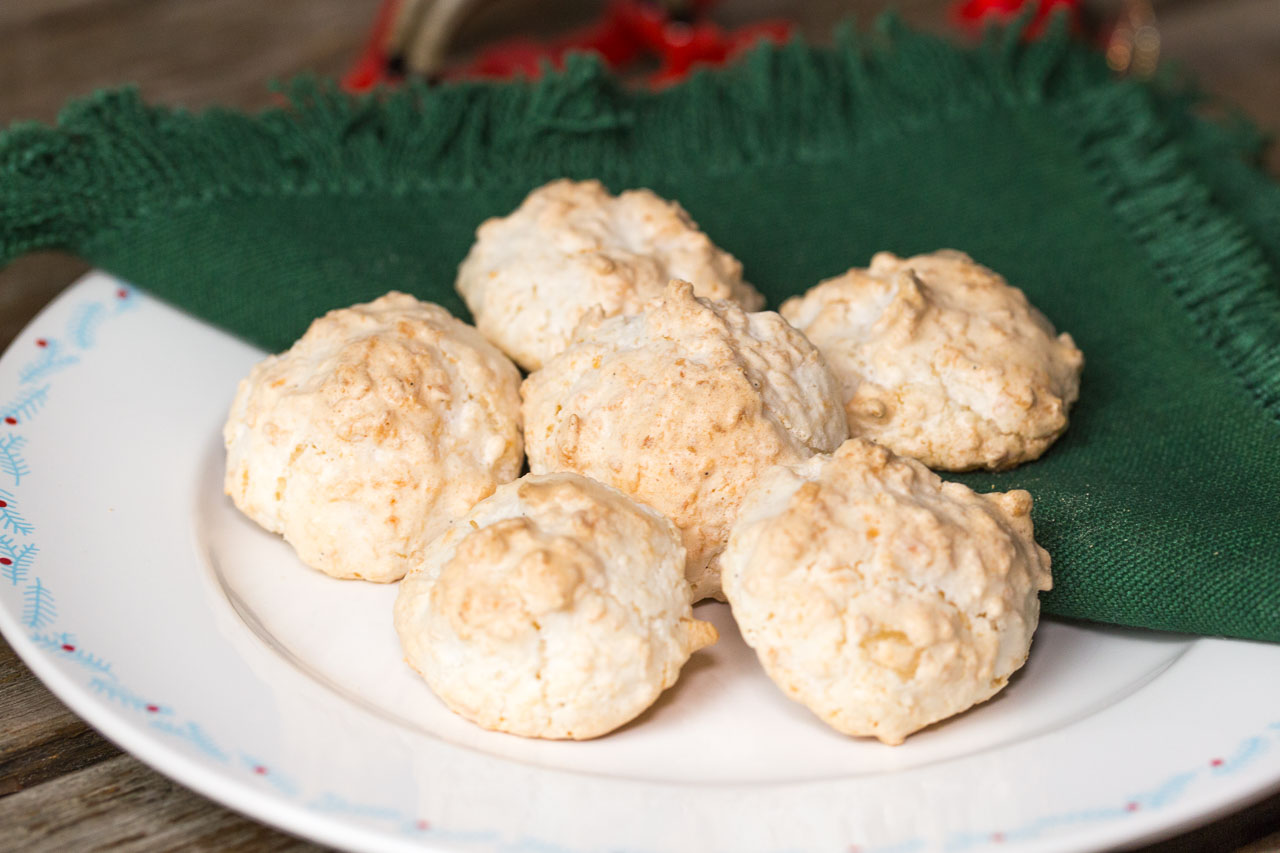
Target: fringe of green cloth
[(1201, 216), (1215, 264)]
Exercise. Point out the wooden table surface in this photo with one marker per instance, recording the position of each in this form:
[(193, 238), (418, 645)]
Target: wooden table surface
[(62, 786)]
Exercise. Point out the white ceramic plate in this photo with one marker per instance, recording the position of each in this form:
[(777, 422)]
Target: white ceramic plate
[(197, 642)]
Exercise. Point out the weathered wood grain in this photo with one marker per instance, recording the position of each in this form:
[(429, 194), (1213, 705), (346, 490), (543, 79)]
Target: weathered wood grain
[(121, 805), (29, 283), (39, 738), (1250, 830), (192, 54), (1270, 844)]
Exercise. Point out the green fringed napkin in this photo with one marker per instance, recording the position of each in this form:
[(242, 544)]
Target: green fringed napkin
[(1133, 225)]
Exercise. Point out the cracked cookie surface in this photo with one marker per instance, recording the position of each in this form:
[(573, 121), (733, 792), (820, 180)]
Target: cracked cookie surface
[(681, 406), (879, 596), (572, 246), (381, 424), (557, 608), (942, 360)]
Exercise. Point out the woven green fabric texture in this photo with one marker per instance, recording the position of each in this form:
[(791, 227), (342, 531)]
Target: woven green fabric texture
[(1132, 224)]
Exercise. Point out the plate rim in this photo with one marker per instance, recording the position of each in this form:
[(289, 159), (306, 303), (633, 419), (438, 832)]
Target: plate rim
[(296, 817)]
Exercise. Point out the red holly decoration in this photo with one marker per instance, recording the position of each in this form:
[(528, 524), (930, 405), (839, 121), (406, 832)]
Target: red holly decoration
[(630, 31), (977, 12)]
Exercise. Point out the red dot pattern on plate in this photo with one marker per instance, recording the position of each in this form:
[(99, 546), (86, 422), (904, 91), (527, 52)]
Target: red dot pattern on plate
[(260, 770)]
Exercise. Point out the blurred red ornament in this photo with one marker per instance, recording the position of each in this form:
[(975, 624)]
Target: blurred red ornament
[(629, 31), (974, 12), (371, 68)]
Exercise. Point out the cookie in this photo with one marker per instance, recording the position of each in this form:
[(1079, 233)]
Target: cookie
[(380, 425), (879, 596), (571, 246), (681, 405), (556, 608), (942, 360)]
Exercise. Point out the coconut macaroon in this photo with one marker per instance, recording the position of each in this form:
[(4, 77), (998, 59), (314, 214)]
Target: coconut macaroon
[(380, 425), (557, 608), (571, 246), (681, 406), (943, 361), (880, 597)]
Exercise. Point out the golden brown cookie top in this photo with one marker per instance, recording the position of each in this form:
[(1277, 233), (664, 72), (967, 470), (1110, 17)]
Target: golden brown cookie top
[(556, 608), (681, 405), (879, 596), (942, 360), (380, 425), (572, 246)]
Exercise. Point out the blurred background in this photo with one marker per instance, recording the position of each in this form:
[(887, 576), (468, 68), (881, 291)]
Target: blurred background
[(225, 51), (58, 778)]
